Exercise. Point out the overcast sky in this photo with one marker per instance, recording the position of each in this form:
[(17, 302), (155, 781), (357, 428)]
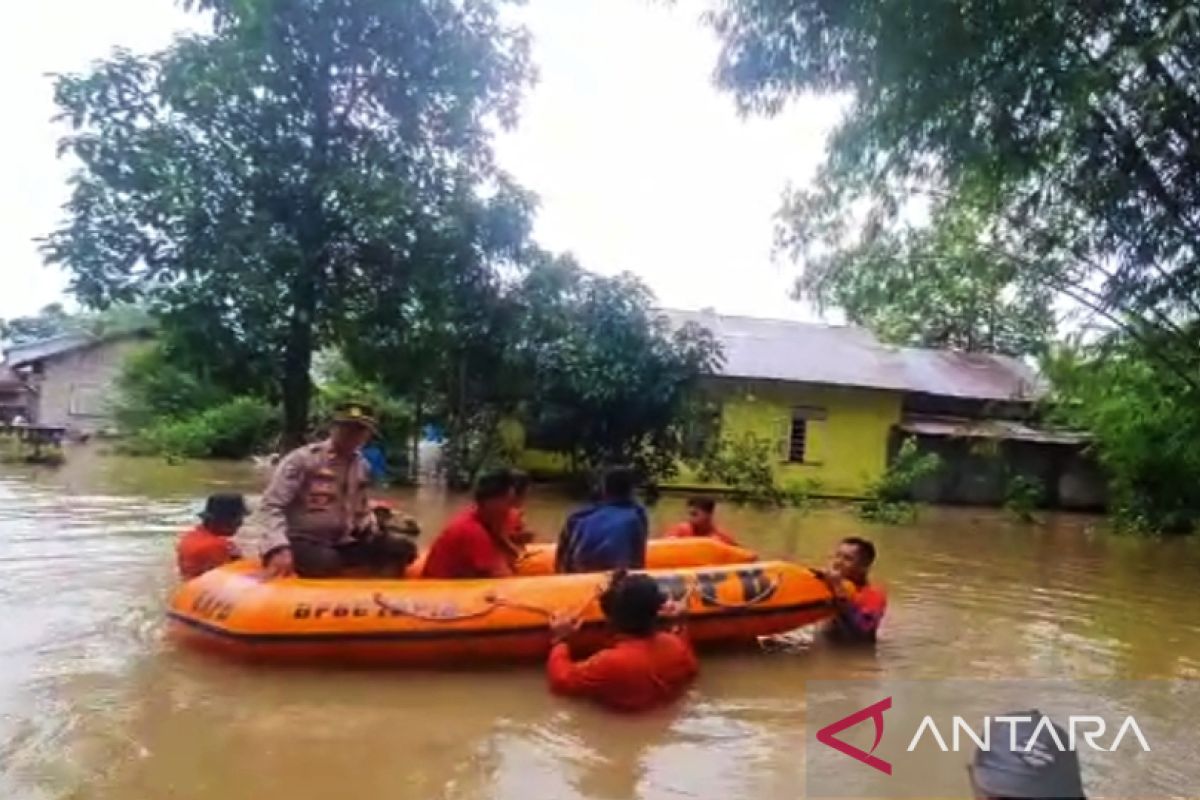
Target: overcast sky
[(640, 163)]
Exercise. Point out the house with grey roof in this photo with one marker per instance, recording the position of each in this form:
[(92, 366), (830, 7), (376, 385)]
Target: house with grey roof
[(835, 402), (68, 381)]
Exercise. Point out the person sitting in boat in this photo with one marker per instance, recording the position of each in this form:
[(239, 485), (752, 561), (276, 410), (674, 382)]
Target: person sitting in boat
[(645, 667), (608, 535), (517, 530), (700, 522), (318, 521), (1025, 759), (210, 544), (475, 543), (858, 617)]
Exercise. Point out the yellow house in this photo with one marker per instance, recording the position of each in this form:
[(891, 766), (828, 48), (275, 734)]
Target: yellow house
[(832, 399)]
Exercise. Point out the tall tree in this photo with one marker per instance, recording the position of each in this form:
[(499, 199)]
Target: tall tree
[(1069, 129), (610, 377), (260, 182)]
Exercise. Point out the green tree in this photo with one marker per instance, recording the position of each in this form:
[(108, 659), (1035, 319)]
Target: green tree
[(1146, 425), (609, 376), (259, 184), (1044, 147), (54, 320), (1068, 129)]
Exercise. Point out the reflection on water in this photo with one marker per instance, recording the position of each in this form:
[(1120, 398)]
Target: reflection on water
[(94, 704)]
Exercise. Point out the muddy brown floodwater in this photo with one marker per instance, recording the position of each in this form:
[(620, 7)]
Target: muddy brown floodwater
[(95, 703)]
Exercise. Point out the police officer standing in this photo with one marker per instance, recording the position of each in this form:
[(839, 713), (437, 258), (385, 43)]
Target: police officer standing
[(318, 520)]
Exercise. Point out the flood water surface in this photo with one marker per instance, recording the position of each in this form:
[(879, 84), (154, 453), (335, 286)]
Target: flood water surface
[(96, 703)]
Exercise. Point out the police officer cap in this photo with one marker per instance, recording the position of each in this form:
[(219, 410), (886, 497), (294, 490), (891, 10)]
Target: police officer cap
[(355, 413)]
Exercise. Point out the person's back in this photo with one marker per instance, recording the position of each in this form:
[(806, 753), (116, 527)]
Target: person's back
[(636, 673), (609, 535), (643, 668)]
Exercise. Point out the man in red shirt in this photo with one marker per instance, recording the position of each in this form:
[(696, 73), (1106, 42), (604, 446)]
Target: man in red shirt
[(857, 617), (645, 667), (210, 544), (475, 543), (700, 522)]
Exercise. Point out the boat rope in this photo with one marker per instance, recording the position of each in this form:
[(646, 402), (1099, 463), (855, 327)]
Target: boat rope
[(492, 600)]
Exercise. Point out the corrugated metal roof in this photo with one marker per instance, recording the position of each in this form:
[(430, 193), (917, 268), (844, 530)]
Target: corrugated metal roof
[(846, 356), (990, 429), (27, 353)]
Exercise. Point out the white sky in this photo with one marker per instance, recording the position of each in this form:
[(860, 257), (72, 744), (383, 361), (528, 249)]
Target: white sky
[(640, 163)]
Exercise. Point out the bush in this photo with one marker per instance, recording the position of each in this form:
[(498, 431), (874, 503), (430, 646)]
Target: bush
[(235, 429), (151, 388), (1022, 495), (747, 466), (889, 499), (1145, 421)]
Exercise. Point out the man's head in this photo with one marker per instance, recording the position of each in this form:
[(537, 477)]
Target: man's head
[(853, 558), (619, 483), (353, 425), (1036, 768), (494, 495), (223, 514), (631, 603), (700, 513)]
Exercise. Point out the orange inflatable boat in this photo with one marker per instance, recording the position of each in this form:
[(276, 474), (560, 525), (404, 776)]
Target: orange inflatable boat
[(383, 622), (538, 559)]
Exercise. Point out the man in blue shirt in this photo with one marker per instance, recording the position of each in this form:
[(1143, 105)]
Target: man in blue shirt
[(608, 535)]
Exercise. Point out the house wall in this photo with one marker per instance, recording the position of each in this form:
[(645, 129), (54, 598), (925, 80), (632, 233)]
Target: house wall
[(979, 472), (846, 450), (75, 390)]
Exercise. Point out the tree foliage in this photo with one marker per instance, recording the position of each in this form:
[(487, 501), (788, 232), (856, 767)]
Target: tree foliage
[(1023, 148), (263, 182), (608, 377), (1146, 427), (1068, 128), (54, 320)]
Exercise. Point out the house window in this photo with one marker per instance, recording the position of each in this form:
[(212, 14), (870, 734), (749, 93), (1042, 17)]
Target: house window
[(799, 443), (86, 400)]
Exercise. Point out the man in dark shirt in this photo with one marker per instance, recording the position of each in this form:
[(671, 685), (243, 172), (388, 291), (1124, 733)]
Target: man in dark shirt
[(608, 535)]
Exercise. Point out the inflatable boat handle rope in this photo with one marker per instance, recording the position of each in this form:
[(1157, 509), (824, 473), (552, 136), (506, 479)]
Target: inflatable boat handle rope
[(493, 601)]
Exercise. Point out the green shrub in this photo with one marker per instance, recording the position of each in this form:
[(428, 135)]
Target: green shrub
[(1022, 495), (234, 429), (747, 466), (152, 389), (889, 498)]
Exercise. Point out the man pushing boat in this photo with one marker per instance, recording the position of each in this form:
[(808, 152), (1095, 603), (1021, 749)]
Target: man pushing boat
[(318, 521)]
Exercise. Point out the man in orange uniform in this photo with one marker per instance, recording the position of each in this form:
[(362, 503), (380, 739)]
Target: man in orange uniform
[(858, 617), (318, 522), (644, 668), (700, 522), (476, 543), (210, 544)]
